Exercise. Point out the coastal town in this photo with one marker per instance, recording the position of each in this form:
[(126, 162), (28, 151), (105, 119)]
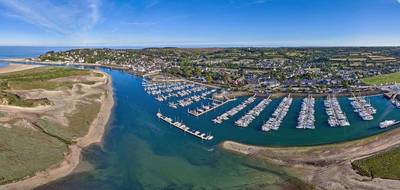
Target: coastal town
[(199, 95), (185, 76), (256, 70), (199, 105)]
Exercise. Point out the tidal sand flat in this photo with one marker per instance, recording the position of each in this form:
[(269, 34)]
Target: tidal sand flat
[(48, 114), (140, 152), (16, 67), (327, 166)]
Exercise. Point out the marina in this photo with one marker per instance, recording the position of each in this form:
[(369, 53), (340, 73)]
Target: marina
[(279, 114), (335, 113), (225, 116), (184, 128), (306, 117), (364, 109), (136, 123), (245, 120), (190, 100), (166, 90), (183, 94), (207, 108)]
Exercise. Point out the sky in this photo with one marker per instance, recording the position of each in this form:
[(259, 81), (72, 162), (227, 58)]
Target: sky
[(200, 23)]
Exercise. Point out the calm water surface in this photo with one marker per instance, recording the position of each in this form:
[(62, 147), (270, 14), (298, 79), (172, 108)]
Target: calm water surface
[(141, 152)]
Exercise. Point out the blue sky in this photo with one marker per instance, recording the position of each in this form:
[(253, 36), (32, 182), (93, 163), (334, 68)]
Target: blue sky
[(200, 22)]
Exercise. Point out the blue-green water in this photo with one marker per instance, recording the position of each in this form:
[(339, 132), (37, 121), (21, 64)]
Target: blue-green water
[(141, 152)]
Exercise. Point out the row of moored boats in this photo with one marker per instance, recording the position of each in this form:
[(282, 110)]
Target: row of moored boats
[(306, 117), (335, 113), (363, 108), (245, 120), (206, 108), (164, 91), (234, 111), (190, 100), (274, 122), (184, 128)]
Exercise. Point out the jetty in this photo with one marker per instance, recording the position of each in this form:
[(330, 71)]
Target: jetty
[(184, 128), (245, 120), (234, 111), (364, 109), (195, 98), (164, 91), (207, 108), (335, 113), (279, 114), (306, 117)]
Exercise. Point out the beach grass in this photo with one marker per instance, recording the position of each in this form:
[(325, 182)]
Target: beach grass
[(36, 78), (47, 85), (45, 140), (384, 165), (15, 100), (39, 78), (382, 79), (25, 151), (79, 122), (43, 73)]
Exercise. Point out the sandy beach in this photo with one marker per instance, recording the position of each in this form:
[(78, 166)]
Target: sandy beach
[(327, 166), (37, 61), (73, 156), (16, 67)]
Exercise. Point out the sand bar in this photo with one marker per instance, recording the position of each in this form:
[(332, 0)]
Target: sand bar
[(327, 166), (72, 158), (16, 67)]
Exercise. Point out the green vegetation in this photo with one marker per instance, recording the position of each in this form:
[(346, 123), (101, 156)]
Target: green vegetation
[(34, 143), (25, 151), (79, 123), (383, 79), (311, 70), (12, 99), (37, 78), (23, 85), (385, 165)]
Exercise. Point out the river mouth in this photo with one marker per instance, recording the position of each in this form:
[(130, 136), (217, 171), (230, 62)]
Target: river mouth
[(141, 152), (132, 99)]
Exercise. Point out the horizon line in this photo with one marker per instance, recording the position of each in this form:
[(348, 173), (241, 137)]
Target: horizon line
[(197, 46)]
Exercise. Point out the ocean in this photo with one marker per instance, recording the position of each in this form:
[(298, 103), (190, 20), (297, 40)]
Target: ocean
[(140, 152)]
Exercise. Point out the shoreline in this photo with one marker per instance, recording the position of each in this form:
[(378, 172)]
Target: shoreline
[(326, 166), (231, 94), (33, 62), (73, 156), (12, 67)]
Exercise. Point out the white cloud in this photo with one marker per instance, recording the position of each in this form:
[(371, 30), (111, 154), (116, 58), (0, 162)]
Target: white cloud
[(65, 18)]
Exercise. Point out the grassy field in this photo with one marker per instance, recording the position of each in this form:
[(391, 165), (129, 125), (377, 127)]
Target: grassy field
[(14, 100), (37, 78), (385, 165), (79, 122), (25, 151), (383, 79)]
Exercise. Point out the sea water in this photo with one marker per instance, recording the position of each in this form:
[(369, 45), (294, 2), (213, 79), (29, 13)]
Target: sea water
[(141, 152)]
